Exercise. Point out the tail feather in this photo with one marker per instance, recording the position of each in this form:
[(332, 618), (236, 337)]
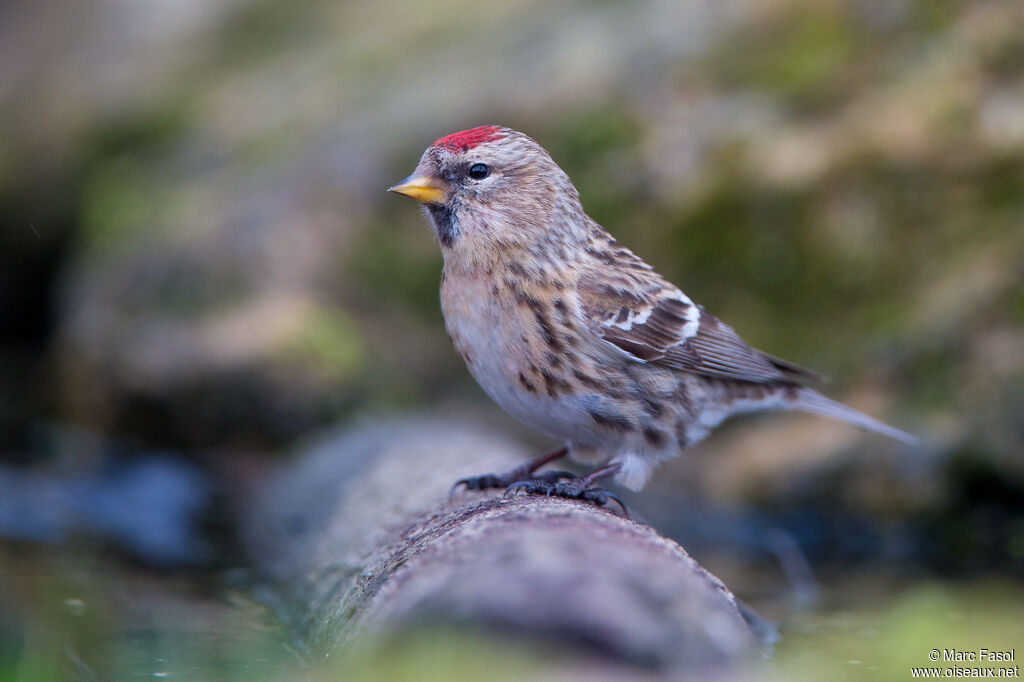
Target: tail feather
[(811, 401)]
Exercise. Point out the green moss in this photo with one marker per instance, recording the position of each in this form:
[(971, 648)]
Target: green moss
[(934, 376), (193, 290), (581, 135), (396, 262), (933, 15), (442, 655), (118, 203), (1000, 184), (885, 642), (80, 616), (330, 341), (261, 30), (808, 55), (595, 146), (123, 188), (754, 256), (1017, 306), (799, 56), (1015, 541), (154, 131)]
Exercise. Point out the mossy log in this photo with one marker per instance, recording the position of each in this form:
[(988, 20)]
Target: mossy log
[(357, 537)]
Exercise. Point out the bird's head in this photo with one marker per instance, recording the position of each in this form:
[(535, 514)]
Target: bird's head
[(491, 188)]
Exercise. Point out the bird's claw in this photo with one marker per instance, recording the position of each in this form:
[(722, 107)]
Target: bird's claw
[(475, 483), (569, 490), (487, 481)]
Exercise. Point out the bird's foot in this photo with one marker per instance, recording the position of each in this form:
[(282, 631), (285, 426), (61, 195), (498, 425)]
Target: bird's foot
[(508, 478), (574, 489), (523, 473)]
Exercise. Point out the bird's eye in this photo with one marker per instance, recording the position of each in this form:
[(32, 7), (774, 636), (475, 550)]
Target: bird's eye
[(479, 171)]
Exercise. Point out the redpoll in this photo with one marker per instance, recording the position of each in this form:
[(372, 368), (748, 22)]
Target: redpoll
[(573, 334)]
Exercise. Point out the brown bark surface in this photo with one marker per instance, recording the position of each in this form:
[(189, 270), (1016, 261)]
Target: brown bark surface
[(357, 536)]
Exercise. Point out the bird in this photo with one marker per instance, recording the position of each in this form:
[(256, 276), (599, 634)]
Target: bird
[(573, 334)]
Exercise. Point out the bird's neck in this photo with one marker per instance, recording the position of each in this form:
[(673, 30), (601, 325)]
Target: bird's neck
[(493, 242)]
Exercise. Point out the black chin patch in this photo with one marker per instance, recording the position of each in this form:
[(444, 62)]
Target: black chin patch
[(444, 222)]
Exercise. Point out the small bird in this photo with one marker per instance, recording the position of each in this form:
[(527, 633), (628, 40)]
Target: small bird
[(576, 336)]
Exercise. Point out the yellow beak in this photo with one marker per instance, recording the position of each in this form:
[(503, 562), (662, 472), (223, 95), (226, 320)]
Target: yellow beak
[(423, 188)]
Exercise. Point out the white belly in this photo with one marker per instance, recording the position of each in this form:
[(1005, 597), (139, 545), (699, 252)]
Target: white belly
[(494, 343)]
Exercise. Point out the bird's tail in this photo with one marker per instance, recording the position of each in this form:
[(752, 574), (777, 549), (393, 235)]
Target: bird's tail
[(809, 400)]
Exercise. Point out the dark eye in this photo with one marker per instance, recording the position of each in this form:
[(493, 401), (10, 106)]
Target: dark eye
[(479, 171)]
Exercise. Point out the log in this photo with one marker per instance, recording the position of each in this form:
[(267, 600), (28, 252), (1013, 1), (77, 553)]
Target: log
[(357, 538)]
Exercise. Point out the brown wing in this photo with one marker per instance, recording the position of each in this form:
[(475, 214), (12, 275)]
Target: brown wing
[(717, 350), (647, 318)]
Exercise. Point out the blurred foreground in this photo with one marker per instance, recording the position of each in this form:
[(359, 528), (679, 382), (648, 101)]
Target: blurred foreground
[(81, 616)]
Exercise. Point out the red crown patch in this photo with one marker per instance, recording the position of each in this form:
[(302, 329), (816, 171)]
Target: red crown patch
[(467, 139)]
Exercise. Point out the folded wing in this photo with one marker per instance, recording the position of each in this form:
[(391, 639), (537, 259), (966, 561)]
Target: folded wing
[(651, 320)]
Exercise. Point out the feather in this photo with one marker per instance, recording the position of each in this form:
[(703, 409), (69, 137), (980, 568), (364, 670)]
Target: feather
[(646, 317), (812, 401)]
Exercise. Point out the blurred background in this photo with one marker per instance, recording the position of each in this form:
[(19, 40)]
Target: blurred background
[(200, 270)]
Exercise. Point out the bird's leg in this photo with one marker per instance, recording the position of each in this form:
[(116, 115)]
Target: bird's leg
[(522, 473), (578, 488)]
